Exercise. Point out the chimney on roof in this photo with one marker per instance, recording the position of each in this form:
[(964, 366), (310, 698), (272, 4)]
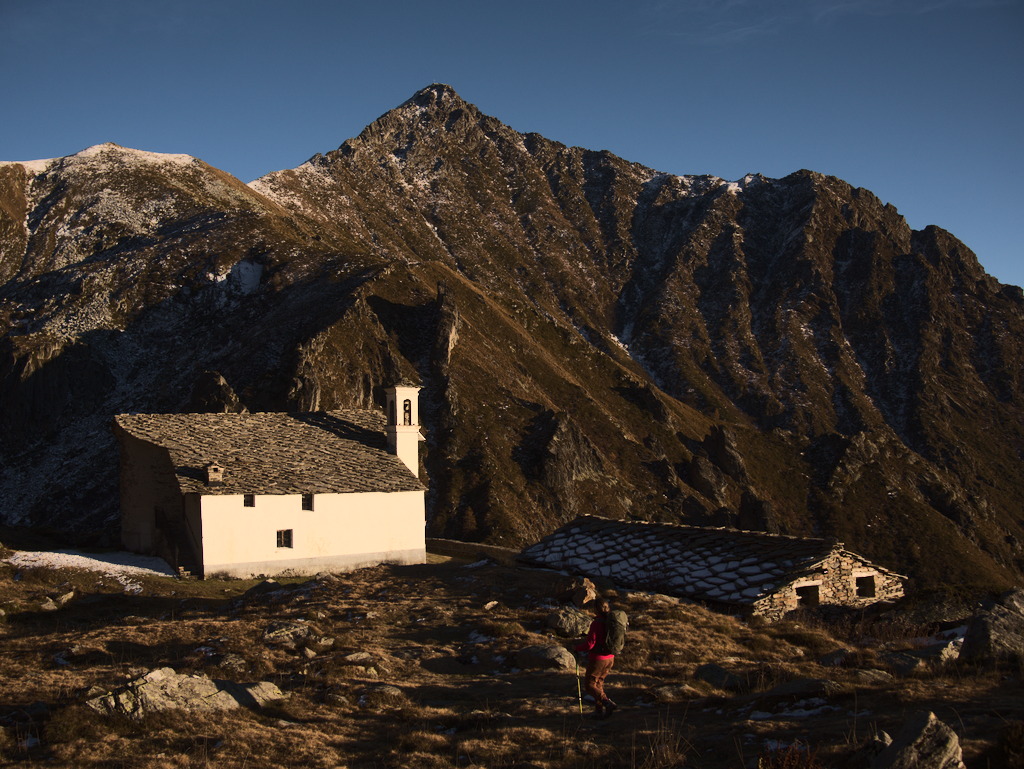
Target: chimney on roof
[(214, 474), (403, 425)]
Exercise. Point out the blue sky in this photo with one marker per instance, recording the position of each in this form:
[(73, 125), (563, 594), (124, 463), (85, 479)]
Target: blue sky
[(920, 101)]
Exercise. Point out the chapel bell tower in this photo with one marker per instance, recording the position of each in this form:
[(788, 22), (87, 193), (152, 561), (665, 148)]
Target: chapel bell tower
[(403, 427)]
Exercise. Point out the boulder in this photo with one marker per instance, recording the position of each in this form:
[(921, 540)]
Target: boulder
[(545, 657), (583, 592), (923, 743), (163, 689), (569, 622), (719, 677), (997, 632)]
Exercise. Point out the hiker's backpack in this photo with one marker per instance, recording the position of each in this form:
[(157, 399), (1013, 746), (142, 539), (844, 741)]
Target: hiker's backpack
[(615, 624)]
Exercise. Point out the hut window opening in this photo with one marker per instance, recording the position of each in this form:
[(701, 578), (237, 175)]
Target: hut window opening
[(807, 596), (866, 587), (284, 538)]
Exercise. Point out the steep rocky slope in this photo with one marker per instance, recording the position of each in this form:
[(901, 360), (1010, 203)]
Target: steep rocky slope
[(592, 336)]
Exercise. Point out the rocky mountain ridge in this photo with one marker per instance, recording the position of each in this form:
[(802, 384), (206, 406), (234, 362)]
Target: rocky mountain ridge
[(592, 336)]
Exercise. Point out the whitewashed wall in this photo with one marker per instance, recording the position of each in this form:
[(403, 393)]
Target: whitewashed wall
[(343, 531)]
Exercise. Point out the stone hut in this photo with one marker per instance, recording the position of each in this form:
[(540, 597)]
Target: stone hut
[(760, 574), (273, 493)]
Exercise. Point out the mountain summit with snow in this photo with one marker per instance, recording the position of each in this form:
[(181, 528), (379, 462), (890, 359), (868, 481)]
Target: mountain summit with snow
[(592, 335)]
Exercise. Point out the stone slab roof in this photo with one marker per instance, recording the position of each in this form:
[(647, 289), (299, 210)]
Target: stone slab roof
[(274, 453), (723, 565)]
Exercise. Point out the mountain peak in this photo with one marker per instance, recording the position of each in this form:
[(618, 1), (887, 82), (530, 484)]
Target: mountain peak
[(435, 94)]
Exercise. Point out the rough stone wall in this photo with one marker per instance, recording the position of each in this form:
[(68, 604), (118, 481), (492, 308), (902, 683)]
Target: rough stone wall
[(457, 549), (836, 580)]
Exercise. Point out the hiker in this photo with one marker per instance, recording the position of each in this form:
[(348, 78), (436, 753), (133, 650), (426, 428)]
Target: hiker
[(599, 659)]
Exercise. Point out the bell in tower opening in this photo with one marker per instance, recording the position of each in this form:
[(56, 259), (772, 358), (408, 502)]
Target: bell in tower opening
[(404, 438)]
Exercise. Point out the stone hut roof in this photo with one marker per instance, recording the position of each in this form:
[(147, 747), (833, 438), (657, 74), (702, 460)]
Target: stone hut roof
[(274, 453), (723, 565)]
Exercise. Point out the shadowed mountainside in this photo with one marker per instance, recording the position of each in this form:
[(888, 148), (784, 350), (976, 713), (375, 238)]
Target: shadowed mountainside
[(592, 336)]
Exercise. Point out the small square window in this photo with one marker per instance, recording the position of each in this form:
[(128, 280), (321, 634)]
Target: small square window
[(249, 500), (307, 501), (284, 538), (866, 587), (807, 595)]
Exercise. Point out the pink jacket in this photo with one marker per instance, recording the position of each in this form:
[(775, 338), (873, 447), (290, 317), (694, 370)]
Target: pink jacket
[(594, 642)]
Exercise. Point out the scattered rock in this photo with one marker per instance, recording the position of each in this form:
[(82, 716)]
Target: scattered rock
[(234, 663), (923, 743), (163, 689), (357, 658), (323, 644), (569, 622), (48, 605), (545, 657), (997, 632), (289, 635)]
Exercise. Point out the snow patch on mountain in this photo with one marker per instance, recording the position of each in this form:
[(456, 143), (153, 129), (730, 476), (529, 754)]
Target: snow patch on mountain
[(34, 167), (108, 149)]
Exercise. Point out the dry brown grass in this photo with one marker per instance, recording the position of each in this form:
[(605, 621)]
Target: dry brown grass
[(429, 631)]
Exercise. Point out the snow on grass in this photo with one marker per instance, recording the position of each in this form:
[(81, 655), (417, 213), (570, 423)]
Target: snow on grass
[(111, 564)]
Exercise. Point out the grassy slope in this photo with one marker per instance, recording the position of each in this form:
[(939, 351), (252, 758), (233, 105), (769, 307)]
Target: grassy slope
[(462, 703)]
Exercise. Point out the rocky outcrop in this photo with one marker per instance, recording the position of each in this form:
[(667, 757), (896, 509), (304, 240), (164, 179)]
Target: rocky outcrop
[(593, 336), (997, 632), (163, 689), (923, 743), (569, 622)]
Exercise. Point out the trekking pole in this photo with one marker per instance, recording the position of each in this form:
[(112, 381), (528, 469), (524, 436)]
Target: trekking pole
[(579, 692)]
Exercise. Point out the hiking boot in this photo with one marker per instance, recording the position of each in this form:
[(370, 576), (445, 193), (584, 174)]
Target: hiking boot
[(609, 707)]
